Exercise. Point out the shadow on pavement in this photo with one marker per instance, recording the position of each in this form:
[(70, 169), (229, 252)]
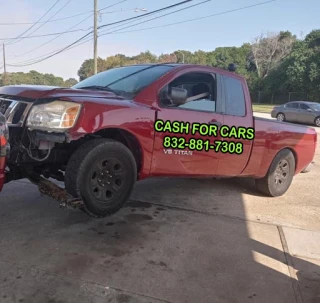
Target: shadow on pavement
[(170, 248)]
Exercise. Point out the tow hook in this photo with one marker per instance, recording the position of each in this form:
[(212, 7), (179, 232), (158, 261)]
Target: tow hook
[(52, 190)]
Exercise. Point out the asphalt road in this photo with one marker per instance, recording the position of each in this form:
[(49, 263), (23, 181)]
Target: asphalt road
[(177, 240)]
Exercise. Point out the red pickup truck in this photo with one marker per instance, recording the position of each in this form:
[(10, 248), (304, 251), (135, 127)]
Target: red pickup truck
[(150, 120)]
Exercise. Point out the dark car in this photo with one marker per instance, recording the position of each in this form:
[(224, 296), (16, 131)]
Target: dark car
[(298, 111)]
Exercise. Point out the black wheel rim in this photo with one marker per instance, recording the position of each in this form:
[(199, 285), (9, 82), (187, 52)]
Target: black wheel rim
[(107, 178), (281, 173)]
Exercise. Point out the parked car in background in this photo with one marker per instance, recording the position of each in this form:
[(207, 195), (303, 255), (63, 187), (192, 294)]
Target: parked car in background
[(298, 111)]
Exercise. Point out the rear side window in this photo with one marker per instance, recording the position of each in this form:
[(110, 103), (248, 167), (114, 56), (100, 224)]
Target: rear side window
[(304, 106), (235, 100), (295, 105)]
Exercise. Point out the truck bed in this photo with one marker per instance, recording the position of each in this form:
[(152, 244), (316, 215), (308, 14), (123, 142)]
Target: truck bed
[(272, 136)]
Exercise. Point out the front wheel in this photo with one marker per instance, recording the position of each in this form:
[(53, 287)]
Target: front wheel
[(317, 121), (279, 176), (102, 172)]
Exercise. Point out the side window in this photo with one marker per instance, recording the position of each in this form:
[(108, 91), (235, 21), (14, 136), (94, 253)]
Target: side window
[(201, 92), (295, 105), (304, 106), (235, 100), (289, 105)]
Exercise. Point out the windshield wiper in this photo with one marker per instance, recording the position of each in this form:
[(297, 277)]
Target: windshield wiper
[(98, 87)]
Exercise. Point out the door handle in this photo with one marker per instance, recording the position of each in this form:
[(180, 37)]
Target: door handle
[(215, 123)]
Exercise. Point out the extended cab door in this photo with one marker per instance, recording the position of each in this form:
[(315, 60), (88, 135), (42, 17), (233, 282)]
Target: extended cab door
[(171, 156), (238, 125)]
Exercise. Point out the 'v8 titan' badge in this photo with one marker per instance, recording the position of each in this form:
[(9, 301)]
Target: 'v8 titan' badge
[(177, 152)]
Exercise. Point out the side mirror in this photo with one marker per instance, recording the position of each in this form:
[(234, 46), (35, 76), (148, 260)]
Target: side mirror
[(178, 95)]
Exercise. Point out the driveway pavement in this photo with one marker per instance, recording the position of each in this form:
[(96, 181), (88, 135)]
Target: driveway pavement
[(177, 240)]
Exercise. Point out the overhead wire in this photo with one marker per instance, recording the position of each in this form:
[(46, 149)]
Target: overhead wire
[(76, 43), (59, 35), (41, 25), (68, 31), (34, 24), (47, 56), (68, 17), (190, 20), (180, 22)]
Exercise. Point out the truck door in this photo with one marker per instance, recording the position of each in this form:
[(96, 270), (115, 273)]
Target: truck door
[(237, 113), (173, 157)]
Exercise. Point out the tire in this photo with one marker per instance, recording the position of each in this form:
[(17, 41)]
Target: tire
[(317, 121), (277, 181), (281, 117), (102, 172)]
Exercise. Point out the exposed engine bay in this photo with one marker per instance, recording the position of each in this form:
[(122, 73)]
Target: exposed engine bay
[(37, 155)]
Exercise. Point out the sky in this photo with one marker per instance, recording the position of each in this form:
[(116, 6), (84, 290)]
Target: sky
[(229, 29)]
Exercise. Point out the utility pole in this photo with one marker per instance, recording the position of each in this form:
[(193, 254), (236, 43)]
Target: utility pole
[(95, 43), (4, 82)]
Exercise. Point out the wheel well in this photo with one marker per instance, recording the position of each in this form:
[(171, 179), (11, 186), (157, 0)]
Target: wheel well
[(294, 155), (125, 138)]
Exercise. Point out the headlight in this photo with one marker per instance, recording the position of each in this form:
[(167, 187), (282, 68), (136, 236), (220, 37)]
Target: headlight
[(54, 115)]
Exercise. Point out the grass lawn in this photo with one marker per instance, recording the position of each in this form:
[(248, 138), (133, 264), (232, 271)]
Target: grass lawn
[(263, 108)]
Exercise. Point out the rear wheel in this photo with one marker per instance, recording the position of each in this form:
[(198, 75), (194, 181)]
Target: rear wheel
[(279, 176), (102, 173), (317, 121), (281, 117)]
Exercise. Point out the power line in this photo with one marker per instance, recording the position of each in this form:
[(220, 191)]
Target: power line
[(51, 34), (158, 17), (39, 19), (47, 56), (76, 44), (185, 21), (59, 19), (189, 20), (68, 31), (70, 17), (152, 12), (41, 25), (59, 33)]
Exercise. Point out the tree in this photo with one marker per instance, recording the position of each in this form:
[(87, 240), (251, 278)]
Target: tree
[(268, 50), (87, 68), (70, 82)]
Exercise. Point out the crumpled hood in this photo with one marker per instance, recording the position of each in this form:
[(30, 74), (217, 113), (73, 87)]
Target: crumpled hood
[(42, 91)]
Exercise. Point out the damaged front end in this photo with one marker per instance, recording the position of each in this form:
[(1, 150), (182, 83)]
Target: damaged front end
[(39, 144)]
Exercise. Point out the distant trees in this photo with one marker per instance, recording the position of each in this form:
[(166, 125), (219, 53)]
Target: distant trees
[(273, 62), (34, 77)]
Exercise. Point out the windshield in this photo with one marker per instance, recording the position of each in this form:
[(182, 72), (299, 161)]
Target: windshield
[(315, 106), (126, 81)]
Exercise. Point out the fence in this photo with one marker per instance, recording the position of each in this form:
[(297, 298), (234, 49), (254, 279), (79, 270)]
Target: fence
[(261, 97)]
